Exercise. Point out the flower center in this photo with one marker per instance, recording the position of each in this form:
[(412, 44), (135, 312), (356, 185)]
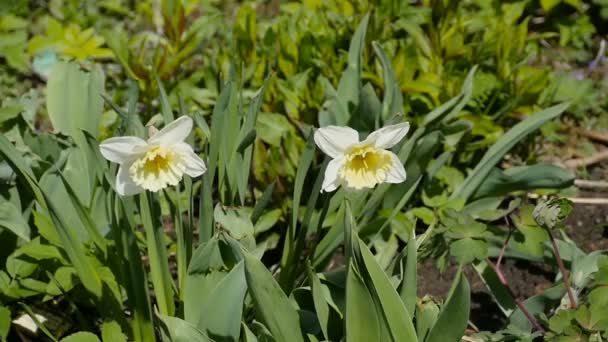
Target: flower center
[(157, 168), (365, 167)]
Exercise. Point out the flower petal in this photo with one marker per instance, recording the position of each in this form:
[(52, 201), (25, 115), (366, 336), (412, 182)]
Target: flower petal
[(334, 140), (173, 133), (331, 179), (388, 136), (124, 184), (122, 149), (195, 166), (396, 173)]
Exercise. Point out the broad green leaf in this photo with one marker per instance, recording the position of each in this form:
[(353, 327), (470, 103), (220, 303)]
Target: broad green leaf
[(75, 251), (82, 336), (273, 308), (499, 183), (323, 303), (178, 330), (454, 315), (84, 216), (362, 319), (396, 315), (62, 281), (548, 5), (12, 219), (426, 316), (134, 277), (537, 305), (393, 318), (467, 249), (408, 287), (111, 332), (262, 202), (74, 99), (502, 147), (5, 322), (234, 220), (501, 295), (221, 312)]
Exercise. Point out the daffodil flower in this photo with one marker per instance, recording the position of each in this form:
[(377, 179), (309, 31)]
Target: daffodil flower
[(154, 164), (359, 165)]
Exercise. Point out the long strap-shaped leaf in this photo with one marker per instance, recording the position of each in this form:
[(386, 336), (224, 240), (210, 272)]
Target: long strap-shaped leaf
[(394, 314), (73, 248), (454, 315), (272, 305), (159, 266), (502, 146)]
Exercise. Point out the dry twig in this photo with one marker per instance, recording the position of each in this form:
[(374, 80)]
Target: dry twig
[(589, 184), (581, 162), (597, 136)]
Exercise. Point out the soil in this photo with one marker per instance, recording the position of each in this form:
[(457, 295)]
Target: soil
[(587, 226)]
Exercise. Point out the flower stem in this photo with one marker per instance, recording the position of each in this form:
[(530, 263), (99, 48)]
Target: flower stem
[(562, 269), (503, 280)]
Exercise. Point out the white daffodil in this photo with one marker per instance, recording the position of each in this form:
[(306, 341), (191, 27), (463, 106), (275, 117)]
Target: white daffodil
[(152, 165), (358, 165)]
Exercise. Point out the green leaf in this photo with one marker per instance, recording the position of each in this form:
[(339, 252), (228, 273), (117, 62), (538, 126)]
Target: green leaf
[(426, 316), (362, 319), (74, 99), (450, 109), (157, 252), (466, 250), (350, 83), (9, 112), (454, 315), (178, 330), (396, 315), (221, 312), (547, 5), (82, 336), (12, 219), (408, 287), (530, 240), (502, 147), (322, 308), (235, 221), (273, 308), (84, 216), (5, 322), (537, 305), (165, 106), (111, 332), (499, 182), (392, 103), (501, 295), (263, 202)]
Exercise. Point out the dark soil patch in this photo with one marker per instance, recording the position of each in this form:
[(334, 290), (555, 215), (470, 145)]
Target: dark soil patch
[(588, 222), (586, 226)]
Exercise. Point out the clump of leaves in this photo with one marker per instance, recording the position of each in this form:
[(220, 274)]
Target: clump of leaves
[(69, 41), (13, 36)]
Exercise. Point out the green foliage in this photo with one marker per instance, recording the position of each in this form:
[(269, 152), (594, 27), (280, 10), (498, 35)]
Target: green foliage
[(253, 251)]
